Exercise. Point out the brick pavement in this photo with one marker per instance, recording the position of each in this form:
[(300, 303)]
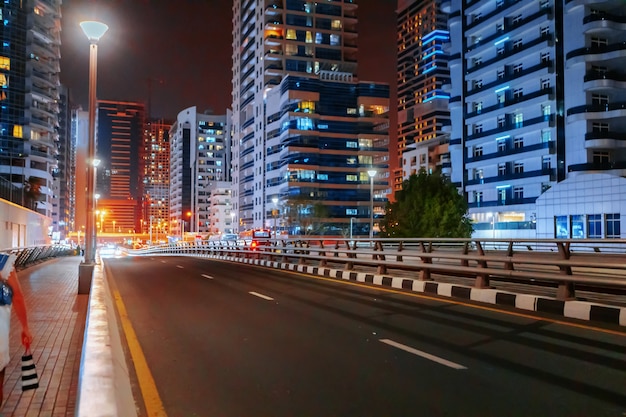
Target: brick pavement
[(57, 316)]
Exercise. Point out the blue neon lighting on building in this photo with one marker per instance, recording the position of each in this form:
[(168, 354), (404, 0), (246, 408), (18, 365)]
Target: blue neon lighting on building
[(498, 187), (436, 34), (499, 41), (426, 71), (501, 89), (436, 96), (431, 54), (503, 137)]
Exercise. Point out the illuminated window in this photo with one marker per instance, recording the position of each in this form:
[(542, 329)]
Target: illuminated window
[(3, 80), (291, 34), (307, 106), (5, 63), (309, 37), (351, 177), (335, 40), (336, 24), (17, 131)]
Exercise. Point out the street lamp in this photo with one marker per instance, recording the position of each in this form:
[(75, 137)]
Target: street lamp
[(94, 31), (275, 213), (372, 174)]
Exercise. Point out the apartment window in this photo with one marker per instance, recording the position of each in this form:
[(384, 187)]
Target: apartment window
[(546, 135), (502, 168), (500, 27), (598, 69), (518, 167), (477, 61), (601, 157), (478, 106), (544, 4), (502, 195), (544, 30), (291, 34), (594, 226), (501, 98), (501, 74), (546, 162), (309, 37), (518, 193), (478, 128), (545, 110), (518, 93), (476, 17), (291, 49), (545, 186), (545, 57), (518, 143), (519, 120), (517, 19), (500, 50), (517, 44), (478, 84), (613, 226), (545, 84), (336, 24), (577, 226), (335, 40), (600, 100), (478, 174), (499, 3), (502, 145), (478, 197), (501, 120), (422, 159), (598, 42), (599, 127), (517, 68), (561, 227), (478, 151)]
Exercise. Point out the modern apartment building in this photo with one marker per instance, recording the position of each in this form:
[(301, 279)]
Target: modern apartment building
[(156, 173), (63, 190), (303, 49), (538, 114), (423, 114), (119, 174), (199, 164), (29, 94)]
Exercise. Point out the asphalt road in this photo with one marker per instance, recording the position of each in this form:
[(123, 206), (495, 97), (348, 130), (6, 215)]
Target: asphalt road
[(225, 339)]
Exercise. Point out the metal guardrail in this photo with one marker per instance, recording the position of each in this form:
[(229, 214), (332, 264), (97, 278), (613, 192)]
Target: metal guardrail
[(27, 256), (597, 264)]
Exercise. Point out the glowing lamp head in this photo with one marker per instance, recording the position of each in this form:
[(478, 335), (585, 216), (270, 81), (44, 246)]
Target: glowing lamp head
[(371, 173), (93, 30)]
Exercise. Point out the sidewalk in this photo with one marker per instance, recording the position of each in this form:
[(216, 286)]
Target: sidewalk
[(57, 315)]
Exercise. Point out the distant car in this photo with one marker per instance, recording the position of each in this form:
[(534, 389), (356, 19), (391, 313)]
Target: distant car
[(229, 236)]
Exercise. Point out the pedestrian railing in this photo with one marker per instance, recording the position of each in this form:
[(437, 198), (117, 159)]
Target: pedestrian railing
[(27, 256), (598, 265)]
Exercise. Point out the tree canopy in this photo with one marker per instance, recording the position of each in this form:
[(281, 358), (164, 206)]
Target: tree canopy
[(428, 205)]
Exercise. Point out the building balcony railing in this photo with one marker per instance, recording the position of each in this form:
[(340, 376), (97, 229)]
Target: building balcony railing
[(510, 101), (597, 166), (596, 50), (591, 108), (514, 176), (513, 151), (605, 135), (511, 76), (511, 126), (595, 17)]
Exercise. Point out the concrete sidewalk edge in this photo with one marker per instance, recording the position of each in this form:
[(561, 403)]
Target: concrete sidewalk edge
[(104, 382)]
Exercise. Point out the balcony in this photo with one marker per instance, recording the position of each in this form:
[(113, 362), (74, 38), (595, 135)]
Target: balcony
[(597, 111), (599, 80), (596, 53), (605, 140), (603, 21)]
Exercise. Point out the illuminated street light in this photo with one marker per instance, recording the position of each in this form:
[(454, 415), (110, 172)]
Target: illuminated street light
[(94, 31), (372, 174)]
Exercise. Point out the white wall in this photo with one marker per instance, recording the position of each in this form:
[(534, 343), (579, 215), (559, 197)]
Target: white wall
[(20, 227)]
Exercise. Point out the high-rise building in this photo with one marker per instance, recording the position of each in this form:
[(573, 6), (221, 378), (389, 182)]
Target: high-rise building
[(304, 145), (423, 75), (199, 165), (119, 173), (156, 172), (29, 94), (538, 115), (64, 173)]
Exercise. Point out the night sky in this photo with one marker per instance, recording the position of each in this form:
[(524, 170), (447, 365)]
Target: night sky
[(183, 49)]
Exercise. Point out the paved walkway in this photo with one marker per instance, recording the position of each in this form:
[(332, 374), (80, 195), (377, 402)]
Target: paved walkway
[(57, 320)]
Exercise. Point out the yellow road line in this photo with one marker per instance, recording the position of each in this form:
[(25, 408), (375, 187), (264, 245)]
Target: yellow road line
[(461, 303), (151, 398)]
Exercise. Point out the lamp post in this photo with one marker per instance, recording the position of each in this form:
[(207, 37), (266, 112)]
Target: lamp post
[(372, 174), (275, 201), (232, 221), (351, 220), (94, 31)]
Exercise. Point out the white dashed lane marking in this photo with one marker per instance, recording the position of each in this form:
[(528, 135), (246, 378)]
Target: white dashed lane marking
[(179, 266), (424, 355), (207, 276), (265, 297)]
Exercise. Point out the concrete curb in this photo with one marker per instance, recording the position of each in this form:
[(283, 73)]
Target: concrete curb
[(581, 310)]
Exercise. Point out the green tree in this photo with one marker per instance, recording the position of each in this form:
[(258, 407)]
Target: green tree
[(427, 206), (307, 213)]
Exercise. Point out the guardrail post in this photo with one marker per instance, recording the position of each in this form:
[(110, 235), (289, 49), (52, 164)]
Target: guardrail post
[(565, 290), (482, 279), (464, 261), (400, 248), (322, 252), (425, 272), (509, 264), (350, 265), (382, 269)]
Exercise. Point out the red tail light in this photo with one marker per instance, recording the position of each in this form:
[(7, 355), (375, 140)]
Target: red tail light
[(253, 244)]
